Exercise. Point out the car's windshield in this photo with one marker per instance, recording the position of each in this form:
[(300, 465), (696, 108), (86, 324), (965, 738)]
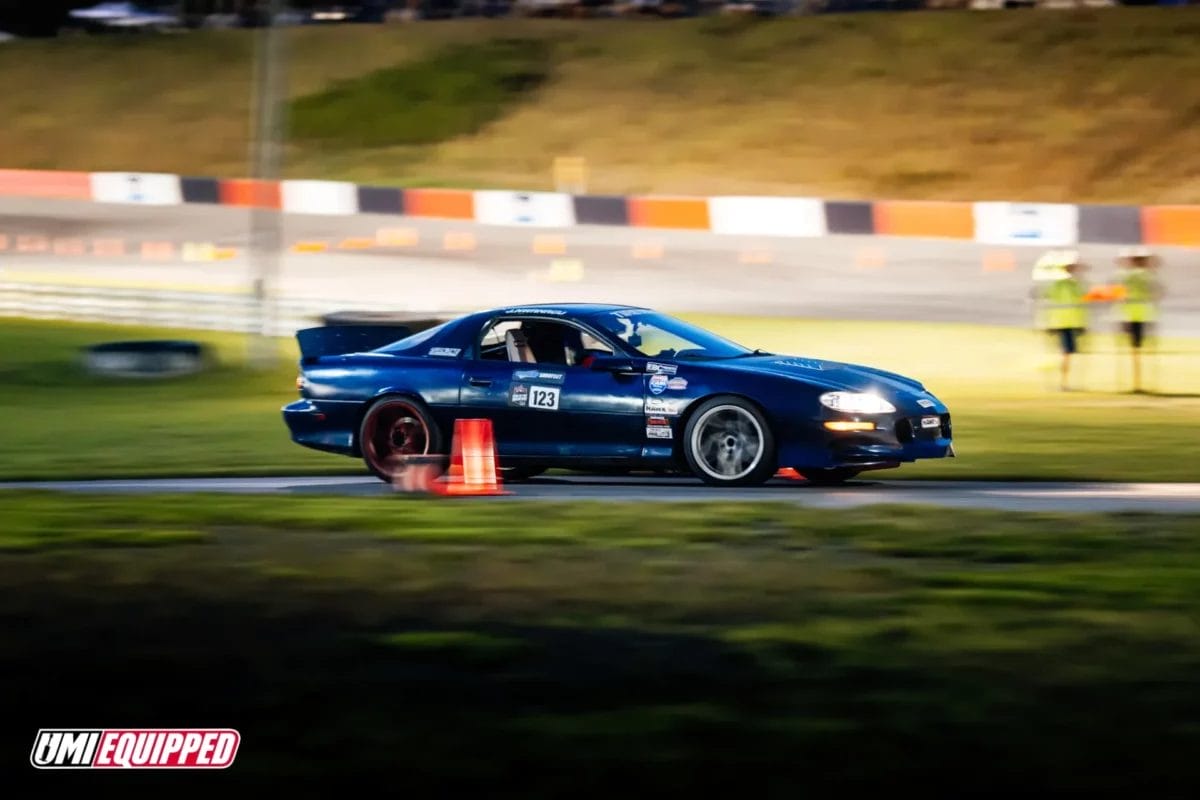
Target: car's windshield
[(656, 335)]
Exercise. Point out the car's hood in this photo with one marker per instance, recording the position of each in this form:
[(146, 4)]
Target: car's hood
[(834, 375)]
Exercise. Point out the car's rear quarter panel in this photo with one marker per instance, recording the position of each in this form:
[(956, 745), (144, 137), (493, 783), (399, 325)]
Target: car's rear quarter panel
[(343, 387)]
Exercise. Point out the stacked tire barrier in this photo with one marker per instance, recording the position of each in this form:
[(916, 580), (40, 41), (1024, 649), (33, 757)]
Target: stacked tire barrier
[(996, 223), (163, 358)]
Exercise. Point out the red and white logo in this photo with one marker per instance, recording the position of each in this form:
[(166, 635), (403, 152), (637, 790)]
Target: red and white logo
[(134, 748)]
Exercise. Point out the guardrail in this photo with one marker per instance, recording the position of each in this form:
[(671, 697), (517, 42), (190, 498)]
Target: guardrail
[(238, 313)]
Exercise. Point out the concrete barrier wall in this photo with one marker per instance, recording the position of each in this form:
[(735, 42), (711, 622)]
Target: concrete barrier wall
[(525, 209), (1051, 224), (137, 188), (319, 197), (994, 223), (44, 183), (767, 216)]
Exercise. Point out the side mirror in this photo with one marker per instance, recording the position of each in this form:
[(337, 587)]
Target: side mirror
[(616, 365)]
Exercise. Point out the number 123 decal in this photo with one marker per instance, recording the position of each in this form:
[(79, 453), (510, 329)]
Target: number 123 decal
[(545, 397)]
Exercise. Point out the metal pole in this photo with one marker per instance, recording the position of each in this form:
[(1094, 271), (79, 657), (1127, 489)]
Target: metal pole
[(266, 158)]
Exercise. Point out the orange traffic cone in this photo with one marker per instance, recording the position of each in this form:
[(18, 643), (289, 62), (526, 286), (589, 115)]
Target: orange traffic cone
[(473, 468), (789, 473), (420, 474)]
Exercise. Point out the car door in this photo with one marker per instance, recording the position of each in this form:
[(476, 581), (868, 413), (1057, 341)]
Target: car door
[(553, 409), (599, 412), (498, 389), (603, 410)]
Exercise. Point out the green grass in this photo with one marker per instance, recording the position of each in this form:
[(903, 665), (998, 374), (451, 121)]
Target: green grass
[(584, 647), (458, 90), (1077, 106), (61, 421), (58, 422)]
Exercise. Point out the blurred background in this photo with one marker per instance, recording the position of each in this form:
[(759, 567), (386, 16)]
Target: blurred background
[(829, 179), (55, 16), (873, 187)]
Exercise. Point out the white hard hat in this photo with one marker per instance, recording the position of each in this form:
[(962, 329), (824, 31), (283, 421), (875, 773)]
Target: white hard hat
[(1069, 257), (1049, 266), (1048, 259)]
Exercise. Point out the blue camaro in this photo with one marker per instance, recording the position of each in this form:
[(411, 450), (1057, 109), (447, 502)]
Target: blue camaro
[(605, 387)]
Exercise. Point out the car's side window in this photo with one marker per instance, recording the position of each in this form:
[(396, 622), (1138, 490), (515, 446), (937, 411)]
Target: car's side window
[(494, 344), (591, 347), (540, 342)]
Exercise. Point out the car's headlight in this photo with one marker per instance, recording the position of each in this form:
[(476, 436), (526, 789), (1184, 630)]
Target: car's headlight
[(856, 403)]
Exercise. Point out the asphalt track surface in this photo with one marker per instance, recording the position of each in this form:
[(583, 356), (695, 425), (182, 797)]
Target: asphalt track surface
[(1172, 498), (449, 266)]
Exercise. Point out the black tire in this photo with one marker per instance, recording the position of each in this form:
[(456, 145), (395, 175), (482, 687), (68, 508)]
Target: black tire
[(829, 476), (727, 442), (395, 427), (520, 473)]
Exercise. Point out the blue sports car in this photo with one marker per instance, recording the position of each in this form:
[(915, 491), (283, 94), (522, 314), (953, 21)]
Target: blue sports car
[(604, 388)]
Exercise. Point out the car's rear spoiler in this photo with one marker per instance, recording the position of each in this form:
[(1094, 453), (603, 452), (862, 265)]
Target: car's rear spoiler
[(334, 340)]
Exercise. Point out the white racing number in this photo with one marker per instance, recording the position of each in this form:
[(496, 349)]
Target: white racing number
[(544, 397)]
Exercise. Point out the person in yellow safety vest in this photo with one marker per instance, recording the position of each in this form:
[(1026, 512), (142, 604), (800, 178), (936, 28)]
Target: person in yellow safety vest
[(1065, 311), (1047, 269), (1138, 306)]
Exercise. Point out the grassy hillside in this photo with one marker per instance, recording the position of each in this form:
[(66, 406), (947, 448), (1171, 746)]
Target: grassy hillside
[(1098, 105)]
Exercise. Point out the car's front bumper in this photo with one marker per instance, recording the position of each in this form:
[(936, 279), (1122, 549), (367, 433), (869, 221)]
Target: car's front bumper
[(899, 438), (896, 439)]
